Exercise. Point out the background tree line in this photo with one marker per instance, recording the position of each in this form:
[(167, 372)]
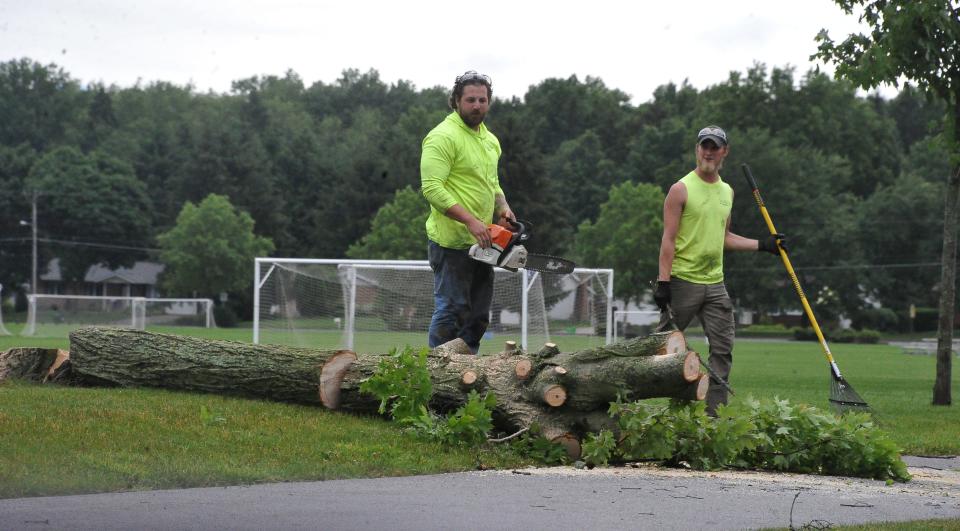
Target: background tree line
[(332, 170)]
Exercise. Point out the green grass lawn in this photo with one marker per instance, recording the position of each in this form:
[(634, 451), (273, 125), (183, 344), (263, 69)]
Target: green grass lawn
[(81, 440), (56, 440)]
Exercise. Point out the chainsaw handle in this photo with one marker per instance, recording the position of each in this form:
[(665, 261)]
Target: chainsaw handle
[(520, 229), (515, 225)]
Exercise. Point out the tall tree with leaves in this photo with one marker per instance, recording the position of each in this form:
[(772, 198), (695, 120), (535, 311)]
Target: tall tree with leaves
[(919, 41), (94, 207), (211, 249), (397, 232), (625, 237)]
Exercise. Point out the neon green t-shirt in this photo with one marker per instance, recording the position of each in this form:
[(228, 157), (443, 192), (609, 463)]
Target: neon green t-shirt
[(458, 166), (703, 226)]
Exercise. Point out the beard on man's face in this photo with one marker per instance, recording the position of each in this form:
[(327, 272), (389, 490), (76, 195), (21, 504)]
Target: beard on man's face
[(471, 118), (709, 166)]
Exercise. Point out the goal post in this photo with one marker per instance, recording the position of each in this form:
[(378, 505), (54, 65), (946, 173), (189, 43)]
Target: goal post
[(3, 329), (172, 311), (57, 315), (375, 305)]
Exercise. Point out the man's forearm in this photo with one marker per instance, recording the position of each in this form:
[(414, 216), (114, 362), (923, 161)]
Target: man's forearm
[(476, 227), (500, 206), (667, 251)]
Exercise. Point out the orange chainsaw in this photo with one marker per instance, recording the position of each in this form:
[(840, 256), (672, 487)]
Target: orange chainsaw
[(506, 251)]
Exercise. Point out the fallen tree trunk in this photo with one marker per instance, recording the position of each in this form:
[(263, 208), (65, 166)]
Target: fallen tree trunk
[(132, 358), (567, 394)]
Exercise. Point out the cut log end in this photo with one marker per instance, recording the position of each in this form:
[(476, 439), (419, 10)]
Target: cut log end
[(455, 346), (522, 369), (555, 395), (549, 350), (510, 346), (675, 344), (331, 377), (699, 388), (570, 443), (691, 367), (469, 377), (559, 371)]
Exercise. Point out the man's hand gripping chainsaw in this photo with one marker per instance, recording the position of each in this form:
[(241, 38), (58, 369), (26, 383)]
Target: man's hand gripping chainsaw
[(506, 251)]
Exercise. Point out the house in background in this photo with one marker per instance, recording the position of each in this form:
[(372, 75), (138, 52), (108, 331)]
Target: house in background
[(137, 281)]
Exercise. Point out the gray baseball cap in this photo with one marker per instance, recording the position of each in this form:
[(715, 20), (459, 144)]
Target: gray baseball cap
[(712, 132)]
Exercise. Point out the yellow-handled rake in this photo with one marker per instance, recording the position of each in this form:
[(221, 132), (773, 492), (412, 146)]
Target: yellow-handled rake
[(842, 396)]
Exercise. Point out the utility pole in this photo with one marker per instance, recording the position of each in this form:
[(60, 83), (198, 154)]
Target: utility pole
[(33, 225)]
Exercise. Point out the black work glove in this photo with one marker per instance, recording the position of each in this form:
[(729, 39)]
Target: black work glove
[(769, 244), (661, 295)]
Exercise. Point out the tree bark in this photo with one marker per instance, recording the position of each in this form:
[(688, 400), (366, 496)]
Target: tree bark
[(133, 358), (948, 275), (567, 394)]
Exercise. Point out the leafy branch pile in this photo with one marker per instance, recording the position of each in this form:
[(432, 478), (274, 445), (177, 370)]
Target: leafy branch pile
[(754, 434), (769, 434), (402, 383)]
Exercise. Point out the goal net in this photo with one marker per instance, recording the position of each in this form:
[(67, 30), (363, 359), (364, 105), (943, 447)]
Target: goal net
[(375, 305), (58, 315)]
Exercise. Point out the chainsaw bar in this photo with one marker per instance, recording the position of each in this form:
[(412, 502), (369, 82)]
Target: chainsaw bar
[(548, 264)]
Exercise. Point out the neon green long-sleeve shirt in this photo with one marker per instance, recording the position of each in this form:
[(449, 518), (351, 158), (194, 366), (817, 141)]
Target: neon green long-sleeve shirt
[(458, 166)]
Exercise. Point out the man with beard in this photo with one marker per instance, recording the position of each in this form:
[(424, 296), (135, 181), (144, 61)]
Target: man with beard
[(696, 232), (458, 177)]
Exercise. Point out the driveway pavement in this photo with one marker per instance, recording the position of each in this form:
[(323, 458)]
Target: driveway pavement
[(644, 497)]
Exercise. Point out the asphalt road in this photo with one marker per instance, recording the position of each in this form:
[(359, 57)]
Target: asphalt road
[(644, 497)]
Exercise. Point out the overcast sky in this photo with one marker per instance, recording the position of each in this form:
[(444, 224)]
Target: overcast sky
[(632, 46)]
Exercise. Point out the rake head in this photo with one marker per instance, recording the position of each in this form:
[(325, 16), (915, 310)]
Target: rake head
[(843, 398)]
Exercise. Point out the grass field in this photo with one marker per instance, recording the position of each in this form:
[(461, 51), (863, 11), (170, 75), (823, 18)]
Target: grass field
[(57, 440)]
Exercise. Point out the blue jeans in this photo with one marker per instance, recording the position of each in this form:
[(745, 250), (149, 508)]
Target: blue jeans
[(462, 293)]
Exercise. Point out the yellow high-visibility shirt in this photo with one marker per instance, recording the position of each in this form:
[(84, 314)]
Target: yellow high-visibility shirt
[(703, 228), (458, 166)]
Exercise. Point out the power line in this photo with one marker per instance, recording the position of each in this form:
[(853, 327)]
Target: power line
[(71, 243), (871, 266), (852, 266), (99, 245)]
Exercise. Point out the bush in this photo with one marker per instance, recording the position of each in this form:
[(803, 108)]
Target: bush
[(854, 336), (631, 330), (838, 336), (764, 330), (224, 316), (927, 320), (883, 319), (21, 303)]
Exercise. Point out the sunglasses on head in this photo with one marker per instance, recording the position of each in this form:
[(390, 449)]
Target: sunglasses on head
[(472, 75)]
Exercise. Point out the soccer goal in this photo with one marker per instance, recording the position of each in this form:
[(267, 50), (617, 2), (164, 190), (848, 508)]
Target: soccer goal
[(375, 305), (58, 315)]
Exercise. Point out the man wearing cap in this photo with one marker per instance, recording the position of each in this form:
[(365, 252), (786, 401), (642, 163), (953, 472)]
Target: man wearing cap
[(696, 232), (458, 177)]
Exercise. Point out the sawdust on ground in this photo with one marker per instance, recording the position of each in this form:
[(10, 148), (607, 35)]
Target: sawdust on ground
[(926, 481)]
